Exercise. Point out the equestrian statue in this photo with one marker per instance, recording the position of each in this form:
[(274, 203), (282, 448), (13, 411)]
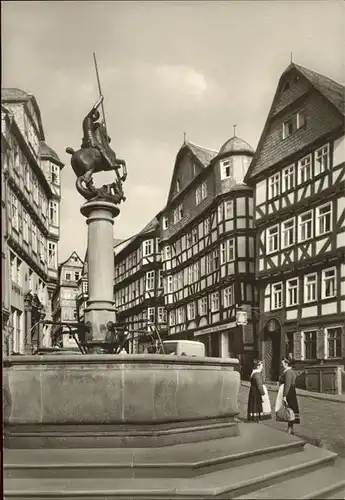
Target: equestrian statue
[(96, 155)]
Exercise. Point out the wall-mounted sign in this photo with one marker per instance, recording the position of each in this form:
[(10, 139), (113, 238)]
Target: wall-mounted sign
[(216, 328), (241, 318)]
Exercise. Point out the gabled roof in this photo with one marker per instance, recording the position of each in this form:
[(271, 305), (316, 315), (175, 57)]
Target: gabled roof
[(18, 95), (73, 254), (236, 145), (203, 155), (333, 91)]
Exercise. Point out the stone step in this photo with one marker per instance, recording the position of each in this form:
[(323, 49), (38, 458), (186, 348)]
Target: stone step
[(185, 460), (227, 483), (325, 483)]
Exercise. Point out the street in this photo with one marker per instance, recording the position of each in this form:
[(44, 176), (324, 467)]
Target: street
[(322, 421)]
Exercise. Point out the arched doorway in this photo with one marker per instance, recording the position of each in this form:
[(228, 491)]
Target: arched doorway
[(271, 349)]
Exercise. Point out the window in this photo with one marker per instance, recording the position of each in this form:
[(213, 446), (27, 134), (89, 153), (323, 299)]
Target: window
[(15, 215), (277, 295), (167, 251), (178, 213), (328, 283), (333, 336), (172, 318), (160, 279), (288, 178), (324, 216), (310, 291), (34, 237), (310, 344), (164, 222), (194, 235), (85, 287), (162, 315), (304, 169), (191, 310), (76, 275), (178, 186), (13, 265), (226, 169), (151, 315), (150, 280), (292, 292), (53, 213), (54, 173), (180, 315), (42, 247), (273, 239), (322, 159), (203, 306), (288, 233), (274, 185), (227, 251), (148, 248), (288, 128), (293, 124), (215, 301), (52, 255), (220, 211), (35, 190), (200, 193), (306, 226), (25, 225), (68, 276), (27, 177), (206, 226), (228, 296), (228, 209), (169, 282)]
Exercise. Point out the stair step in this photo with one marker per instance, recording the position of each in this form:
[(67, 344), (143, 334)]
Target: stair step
[(318, 484), (173, 461), (229, 483)]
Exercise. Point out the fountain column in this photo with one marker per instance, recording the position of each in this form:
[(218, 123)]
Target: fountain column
[(100, 310)]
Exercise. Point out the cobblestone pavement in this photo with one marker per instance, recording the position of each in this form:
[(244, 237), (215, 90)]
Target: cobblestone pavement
[(322, 422)]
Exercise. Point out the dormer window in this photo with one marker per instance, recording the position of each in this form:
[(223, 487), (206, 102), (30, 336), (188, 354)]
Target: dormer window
[(54, 174), (164, 222), (293, 124), (226, 169), (178, 186), (178, 213)]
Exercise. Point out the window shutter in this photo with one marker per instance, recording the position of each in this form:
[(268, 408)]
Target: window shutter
[(320, 344), (297, 346)]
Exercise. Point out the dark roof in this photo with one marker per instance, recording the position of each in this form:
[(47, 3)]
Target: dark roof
[(14, 95), (333, 91), (236, 145), (205, 155), (151, 226), (117, 241), (46, 150)]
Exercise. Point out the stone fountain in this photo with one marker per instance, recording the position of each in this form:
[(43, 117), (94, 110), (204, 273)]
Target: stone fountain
[(105, 426)]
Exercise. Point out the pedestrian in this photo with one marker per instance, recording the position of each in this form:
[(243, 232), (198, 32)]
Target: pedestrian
[(259, 406), (287, 394)]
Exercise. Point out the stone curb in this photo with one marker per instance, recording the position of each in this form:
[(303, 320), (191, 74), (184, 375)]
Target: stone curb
[(307, 394)]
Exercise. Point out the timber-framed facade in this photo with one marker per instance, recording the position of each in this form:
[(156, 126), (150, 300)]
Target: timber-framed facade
[(298, 175), (138, 287), (207, 244)]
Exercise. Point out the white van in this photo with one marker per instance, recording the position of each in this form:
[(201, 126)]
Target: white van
[(184, 347)]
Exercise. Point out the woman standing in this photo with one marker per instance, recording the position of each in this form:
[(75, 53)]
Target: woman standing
[(259, 407), (287, 393)]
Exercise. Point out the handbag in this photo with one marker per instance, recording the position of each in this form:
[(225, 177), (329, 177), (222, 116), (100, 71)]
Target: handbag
[(285, 414)]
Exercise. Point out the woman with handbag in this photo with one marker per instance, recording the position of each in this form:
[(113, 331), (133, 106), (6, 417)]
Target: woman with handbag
[(286, 406), (259, 406)]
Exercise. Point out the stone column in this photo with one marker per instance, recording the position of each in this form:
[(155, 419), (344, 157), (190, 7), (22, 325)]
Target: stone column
[(100, 309), (224, 340)]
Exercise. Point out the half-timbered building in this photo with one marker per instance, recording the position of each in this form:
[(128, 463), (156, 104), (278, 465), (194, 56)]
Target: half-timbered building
[(207, 244), (138, 286), (298, 175), (31, 223)]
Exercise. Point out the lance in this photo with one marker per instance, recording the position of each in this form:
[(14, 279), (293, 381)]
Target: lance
[(100, 91)]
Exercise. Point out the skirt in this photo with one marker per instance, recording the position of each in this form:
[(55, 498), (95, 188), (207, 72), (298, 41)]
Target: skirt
[(291, 399), (259, 407)]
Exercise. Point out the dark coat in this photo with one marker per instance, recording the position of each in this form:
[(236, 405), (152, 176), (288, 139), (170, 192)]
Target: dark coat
[(256, 392), (288, 378)]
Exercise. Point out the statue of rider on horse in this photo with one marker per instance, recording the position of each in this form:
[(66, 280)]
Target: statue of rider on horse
[(96, 155)]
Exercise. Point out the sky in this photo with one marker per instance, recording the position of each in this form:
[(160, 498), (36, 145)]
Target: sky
[(166, 68)]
